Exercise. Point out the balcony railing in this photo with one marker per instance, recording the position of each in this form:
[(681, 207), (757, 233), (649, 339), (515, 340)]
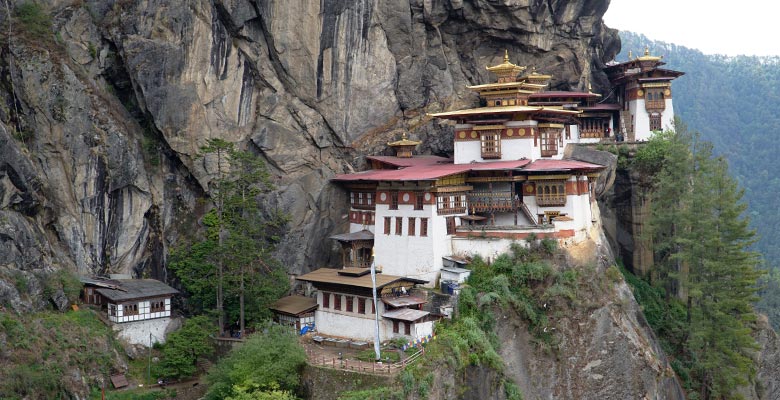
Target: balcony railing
[(655, 104), (357, 206), (592, 133), (548, 200), (491, 201)]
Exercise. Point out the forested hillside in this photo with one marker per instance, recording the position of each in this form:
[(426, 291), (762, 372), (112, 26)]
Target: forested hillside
[(733, 102)]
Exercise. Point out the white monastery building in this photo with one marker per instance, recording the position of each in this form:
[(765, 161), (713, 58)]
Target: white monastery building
[(507, 180)]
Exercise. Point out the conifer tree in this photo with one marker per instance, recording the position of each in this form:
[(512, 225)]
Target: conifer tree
[(701, 240)]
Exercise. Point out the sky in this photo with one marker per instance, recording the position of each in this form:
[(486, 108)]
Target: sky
[(749, 27)]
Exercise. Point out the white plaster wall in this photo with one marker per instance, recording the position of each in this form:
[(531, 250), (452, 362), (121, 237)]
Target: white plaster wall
[(667, 118), (138, 332), (411, 256), (511, 149), (359, 227), (143, 312), (487, 248), (357, 327), (642, 130)]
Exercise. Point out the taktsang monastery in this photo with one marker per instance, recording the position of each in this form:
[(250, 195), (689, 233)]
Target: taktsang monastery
[(508, 179)]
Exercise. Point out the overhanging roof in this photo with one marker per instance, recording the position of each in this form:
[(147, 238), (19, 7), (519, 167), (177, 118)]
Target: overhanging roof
[(365, 234), (404, 301), (134, 289), (405, 314), (503, 110), (408, 161), (429, 172), (549, 165), (330, 275), (294, 305)]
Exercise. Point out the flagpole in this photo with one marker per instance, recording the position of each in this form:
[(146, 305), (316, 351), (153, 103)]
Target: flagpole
[(376, 307)]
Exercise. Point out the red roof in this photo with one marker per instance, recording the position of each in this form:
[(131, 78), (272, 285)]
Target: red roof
[(601, 107), (408, 162), (547, 165), (561, 93), (429, 172)]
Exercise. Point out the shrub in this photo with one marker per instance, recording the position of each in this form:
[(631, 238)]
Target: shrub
[(33, 18), (186, 346)]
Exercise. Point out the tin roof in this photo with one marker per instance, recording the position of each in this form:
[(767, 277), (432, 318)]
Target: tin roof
[(456, 270), (330, 275), (294, 305), (365, 234), (502, 110), (549, 165), (133, 289), (410, 161), (405, 314), (404, 301), (430, 171), (561, 93)]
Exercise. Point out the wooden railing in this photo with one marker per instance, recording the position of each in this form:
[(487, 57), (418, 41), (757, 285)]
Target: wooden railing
[(491, 201), (655, 104), (548, 200), (362, 366), (592, 133)]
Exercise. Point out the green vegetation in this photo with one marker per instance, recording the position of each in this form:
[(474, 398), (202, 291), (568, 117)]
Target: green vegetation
[(185, 347), (42, 348), (705, 276), (33, 19), (380, 393), (267, 366), (231, 271), (134, 394), (742, 105)]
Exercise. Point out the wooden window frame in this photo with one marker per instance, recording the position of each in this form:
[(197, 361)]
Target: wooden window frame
[(419, 198), (387, 225), (350, 303), (393, 199), (336, 301), (395, 326), (451, 225), (325, 299), (407, 328), (548, 193), (399, 226), (549, 141), (424, 227), (655, 122), (490, 144), (361, 305), (411, 229)]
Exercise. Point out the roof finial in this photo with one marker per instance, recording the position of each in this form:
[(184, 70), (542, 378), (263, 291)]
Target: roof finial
[(403, 136), (506, 55), (647, 50)]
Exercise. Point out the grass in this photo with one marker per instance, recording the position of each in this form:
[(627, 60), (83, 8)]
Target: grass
[(41, 348), (33, 19)]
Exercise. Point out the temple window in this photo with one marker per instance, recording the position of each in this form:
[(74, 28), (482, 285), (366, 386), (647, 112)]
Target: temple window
[(350, 302), (337, 302), (423, 226), (655, 122), (361, 305), (491, 144), (418, 201), (412, 224), (399, 225), (394, 200), (551, 193), (451, 203), (325, 300), (549, 141), (450, 225), (387, 225)]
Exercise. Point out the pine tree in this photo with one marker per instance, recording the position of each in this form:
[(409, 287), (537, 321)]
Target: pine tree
[(701, 240)]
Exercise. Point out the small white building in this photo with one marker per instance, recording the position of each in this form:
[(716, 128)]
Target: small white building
[(295, 311), (346, 308), (140, 309)]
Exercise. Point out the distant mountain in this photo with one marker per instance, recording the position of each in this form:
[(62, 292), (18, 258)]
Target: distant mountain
[(735, 103)]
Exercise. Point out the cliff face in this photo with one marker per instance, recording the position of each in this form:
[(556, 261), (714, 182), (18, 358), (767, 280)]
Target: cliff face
[(101, 119)]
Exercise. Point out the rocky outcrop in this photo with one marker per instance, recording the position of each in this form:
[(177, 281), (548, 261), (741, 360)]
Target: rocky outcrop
[(101, 120)]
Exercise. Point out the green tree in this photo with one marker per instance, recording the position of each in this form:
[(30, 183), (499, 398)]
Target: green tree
[(186, 346), (233, 262), (701, 239), (270, 361)]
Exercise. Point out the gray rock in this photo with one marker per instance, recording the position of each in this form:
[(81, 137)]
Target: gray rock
[(60, 300)]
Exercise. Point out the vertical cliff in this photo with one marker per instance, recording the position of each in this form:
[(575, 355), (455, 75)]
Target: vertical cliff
[(104, 109)]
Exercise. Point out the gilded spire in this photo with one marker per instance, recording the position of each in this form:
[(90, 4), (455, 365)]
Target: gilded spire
[(506, 71), (506, 56), (648, 57)]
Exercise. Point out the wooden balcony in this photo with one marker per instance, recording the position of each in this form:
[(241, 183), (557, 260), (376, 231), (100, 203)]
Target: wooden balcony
[(491, 201), (592, 134), (655, 105), (544, 201), (371, 206), (491, 155)]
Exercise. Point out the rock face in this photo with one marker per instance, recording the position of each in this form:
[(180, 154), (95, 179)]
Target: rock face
[(101, 121)]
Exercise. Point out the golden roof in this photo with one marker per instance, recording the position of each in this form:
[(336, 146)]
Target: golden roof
[(648, 57), (536, 75), (503, 110), (506, 66), (404, 142)]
